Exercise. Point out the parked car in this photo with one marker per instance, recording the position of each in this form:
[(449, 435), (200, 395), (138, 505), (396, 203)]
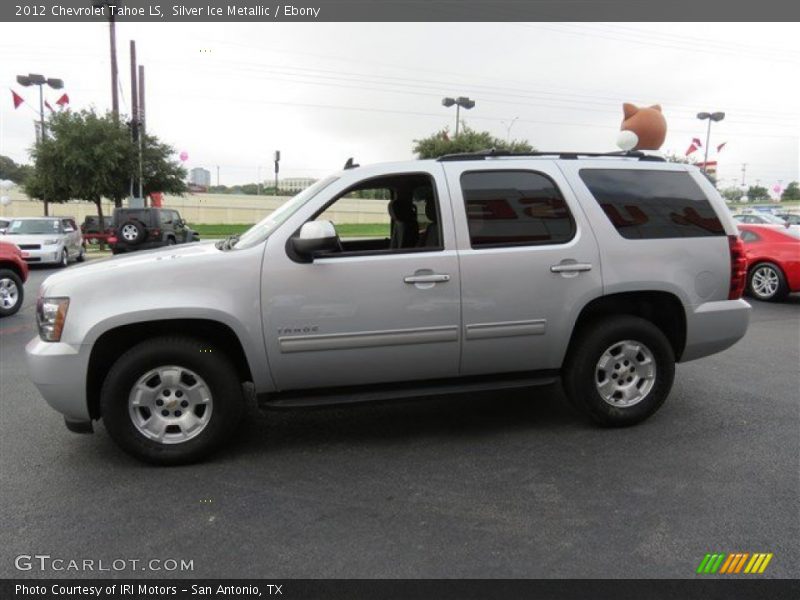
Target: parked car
[(143, 228), (773, 260), (497, 271), (46, 240), (92, 230), (762, 218), (791, 218), (13, 274)]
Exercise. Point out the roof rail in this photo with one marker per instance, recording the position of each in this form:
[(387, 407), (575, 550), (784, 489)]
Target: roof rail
[(493, 152)]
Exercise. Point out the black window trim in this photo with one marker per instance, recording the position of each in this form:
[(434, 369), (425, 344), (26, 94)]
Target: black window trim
[(388, 252), (572, 222)]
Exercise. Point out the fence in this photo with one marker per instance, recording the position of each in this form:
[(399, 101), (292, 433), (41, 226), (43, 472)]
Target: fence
[(206, 208)]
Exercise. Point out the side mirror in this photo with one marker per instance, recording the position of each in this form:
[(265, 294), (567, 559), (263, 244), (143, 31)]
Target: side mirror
[(315, 237), (181, 223)]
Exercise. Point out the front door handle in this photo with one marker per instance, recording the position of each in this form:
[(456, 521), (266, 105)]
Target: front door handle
[(571, 267), (427, 278)]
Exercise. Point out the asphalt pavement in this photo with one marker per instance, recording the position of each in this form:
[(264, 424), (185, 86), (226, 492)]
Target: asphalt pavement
[(473, 486)]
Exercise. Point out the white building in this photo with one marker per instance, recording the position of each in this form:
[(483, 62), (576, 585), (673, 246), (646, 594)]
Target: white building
[(296, 184), (200, 176)]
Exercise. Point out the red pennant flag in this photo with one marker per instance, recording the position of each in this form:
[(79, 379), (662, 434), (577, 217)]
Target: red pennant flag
[(697, 142), (690, 149), (17, 99), (721, 146), (47, 104), (63, 101)]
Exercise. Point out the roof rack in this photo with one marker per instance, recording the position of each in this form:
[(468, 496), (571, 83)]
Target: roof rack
[(493, 152)]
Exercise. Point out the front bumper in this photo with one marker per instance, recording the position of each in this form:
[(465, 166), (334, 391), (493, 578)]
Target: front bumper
[(712, 327), (45, 255), (59, 372)]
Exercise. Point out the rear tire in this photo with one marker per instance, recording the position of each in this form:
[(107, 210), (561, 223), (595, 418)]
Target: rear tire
[(171, 400), (766, 282), (64, 262), (619, 370), (81, 255)]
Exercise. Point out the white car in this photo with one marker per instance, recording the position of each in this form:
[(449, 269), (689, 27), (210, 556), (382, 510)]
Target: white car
[(46, 240)]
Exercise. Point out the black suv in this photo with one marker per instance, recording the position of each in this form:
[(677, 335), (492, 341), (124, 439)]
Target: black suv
[(143, 228)]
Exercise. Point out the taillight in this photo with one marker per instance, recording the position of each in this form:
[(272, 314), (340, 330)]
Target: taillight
[(112, 239), (156, 232), (738, 267)]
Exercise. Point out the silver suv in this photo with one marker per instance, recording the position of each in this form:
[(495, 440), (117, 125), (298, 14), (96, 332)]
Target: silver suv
[(490, 271), (46, 240)]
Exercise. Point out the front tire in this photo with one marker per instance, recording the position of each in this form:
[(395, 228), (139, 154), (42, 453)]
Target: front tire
[(171, 400), (766, 282), (619, 370), (12, 292)]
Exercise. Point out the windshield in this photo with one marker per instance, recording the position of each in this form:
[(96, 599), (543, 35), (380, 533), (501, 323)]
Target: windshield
[(33, 226), (261, 230)]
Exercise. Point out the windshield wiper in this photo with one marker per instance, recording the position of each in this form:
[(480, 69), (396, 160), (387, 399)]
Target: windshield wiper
[(229, 242)]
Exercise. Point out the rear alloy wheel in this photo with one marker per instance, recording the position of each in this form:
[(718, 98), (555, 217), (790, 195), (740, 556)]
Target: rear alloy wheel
[(11, 293), (619, 370), (171, 400), (81, 255), (64, 259), (766, 282)]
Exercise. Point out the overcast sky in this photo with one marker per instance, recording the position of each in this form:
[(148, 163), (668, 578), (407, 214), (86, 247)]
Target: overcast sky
[(321, 92)]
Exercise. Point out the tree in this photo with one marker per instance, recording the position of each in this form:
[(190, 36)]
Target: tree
[(732, 194), (13, 171), (690, 160), (468, 140), (87, 156), (757, 193), (792, 191)]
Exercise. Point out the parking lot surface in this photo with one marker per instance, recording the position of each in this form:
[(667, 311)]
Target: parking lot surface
[(484, 485)]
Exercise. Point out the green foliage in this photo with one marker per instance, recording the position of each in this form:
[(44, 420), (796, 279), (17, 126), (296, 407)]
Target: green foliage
[(468, 140), (732, 194), (87, 156), (757, 193), (690, 160), (792, 191), (13, 171)]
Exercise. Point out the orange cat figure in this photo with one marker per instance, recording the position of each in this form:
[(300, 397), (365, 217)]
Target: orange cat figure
[(642, 128)]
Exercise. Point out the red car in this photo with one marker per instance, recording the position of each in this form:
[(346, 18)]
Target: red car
[(13, 273), (773, 260)]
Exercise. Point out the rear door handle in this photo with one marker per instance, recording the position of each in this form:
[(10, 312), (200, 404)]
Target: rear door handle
[(571, 268), (429, 278)]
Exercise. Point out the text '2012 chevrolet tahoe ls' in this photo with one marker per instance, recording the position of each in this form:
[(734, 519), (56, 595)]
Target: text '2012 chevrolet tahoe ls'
[(494, 271)]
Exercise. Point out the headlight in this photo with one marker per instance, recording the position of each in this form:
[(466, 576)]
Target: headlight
[(50, 316), (50, 242)]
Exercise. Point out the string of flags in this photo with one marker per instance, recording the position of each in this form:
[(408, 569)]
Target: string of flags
[(19, 100), (709, 165)]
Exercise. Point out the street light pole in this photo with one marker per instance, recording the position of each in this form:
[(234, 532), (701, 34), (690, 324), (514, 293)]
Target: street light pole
[(460, 102), (716, 116), (40, 80)]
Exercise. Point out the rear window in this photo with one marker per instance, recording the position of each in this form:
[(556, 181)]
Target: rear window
[(515, 208), (653, 204), (143, 215)]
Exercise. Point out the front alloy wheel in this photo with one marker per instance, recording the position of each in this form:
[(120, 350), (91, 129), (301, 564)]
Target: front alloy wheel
[(171, 400), (170, 404)]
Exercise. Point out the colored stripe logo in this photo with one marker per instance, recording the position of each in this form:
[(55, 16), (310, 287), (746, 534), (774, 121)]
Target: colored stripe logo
[(734, 563)]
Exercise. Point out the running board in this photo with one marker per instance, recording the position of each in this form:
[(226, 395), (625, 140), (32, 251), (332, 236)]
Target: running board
[(398, 391)]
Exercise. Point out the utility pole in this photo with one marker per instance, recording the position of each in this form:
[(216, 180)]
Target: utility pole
[(277, 158), (141, 134), (217, 175), (134, 200), (112, 34), (744, 169)]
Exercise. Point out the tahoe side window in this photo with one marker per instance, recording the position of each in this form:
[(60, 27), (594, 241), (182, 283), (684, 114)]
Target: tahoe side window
[(394, 213), (515, 208), (652, 204)]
